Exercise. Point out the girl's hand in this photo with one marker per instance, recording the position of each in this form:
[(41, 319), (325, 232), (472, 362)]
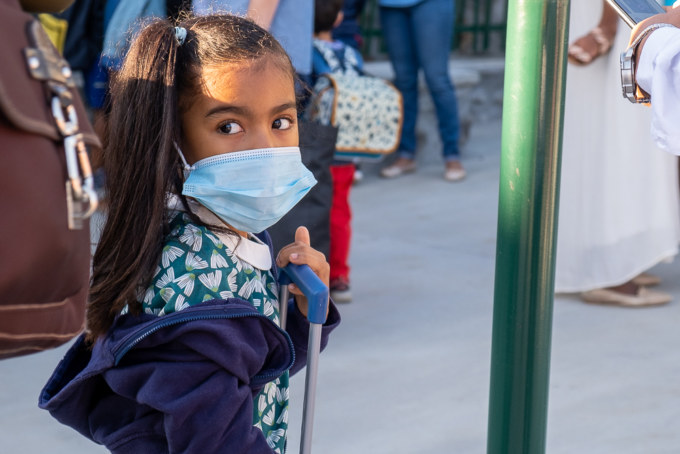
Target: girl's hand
[(301, 253)]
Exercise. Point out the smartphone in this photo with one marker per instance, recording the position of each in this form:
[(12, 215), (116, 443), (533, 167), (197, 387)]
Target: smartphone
[(634, 11)]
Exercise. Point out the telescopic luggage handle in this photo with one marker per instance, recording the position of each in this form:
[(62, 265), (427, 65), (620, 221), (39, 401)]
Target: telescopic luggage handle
[(313, 288), (317, 298)]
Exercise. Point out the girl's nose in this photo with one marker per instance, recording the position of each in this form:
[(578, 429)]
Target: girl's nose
[(264, 138)]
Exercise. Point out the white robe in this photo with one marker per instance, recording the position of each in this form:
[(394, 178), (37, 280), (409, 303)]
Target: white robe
[(619, 193)]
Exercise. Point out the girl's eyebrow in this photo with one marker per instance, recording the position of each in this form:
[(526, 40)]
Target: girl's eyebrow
[(227, 108), (285, 106), (245, 111)]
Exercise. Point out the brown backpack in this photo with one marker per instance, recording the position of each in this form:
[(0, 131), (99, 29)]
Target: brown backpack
[(46, 191)]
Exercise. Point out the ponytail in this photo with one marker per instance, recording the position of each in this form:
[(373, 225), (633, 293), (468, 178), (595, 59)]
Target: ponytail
[(141, 169)]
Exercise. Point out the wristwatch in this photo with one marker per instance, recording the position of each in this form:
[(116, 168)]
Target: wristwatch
[(628, 60)]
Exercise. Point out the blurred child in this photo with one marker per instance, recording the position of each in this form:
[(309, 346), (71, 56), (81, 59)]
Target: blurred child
[(183, 351), (334, 56), (349, 32)]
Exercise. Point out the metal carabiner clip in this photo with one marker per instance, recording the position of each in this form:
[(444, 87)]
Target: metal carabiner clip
[(69, 126), (80, 183)]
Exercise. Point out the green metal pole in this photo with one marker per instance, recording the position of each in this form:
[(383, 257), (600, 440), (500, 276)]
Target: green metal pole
[(527, 217)]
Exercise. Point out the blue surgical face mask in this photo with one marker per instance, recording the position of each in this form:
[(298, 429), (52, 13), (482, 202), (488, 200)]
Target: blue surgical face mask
[(249, 190)]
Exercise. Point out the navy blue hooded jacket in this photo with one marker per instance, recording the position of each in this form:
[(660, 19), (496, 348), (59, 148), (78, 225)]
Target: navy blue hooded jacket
[(180, 383)]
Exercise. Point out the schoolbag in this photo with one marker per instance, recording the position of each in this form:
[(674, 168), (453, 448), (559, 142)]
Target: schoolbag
[(46, 188), (367, 110)]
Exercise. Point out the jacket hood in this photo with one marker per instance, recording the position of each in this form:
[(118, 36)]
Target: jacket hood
[(219, 334)]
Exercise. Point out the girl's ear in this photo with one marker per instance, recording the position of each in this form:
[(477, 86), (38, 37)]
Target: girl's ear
[(338, 19)]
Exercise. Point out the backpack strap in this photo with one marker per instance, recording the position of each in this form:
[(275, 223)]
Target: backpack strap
[(351, 61), (327, 53)]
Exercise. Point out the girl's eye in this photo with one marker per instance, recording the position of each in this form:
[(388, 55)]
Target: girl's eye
[(230, 127), (282, 123)]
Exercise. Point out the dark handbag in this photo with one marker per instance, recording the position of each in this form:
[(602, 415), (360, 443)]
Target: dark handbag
[(46, 191)]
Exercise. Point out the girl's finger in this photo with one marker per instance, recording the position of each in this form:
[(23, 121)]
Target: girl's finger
[(304, 256), (302, 235), (293, 255)]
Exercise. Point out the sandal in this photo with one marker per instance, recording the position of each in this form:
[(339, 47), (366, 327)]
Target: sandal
[(646, 280), (400, 167), (643, 297), (595, 40), (454, 171)]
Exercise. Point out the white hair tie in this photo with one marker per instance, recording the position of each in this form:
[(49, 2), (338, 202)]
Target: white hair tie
[(180, 34)]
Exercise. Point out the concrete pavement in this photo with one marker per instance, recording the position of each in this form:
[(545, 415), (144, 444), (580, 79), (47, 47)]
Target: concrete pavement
[(408, 370)]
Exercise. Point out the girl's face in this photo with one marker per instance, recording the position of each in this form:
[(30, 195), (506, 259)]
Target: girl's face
[(240, 107)]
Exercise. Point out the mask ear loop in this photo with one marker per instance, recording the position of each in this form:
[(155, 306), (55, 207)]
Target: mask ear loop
[(187, 167)]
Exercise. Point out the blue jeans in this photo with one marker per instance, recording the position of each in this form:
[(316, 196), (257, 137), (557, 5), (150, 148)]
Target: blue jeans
[(417, 37)]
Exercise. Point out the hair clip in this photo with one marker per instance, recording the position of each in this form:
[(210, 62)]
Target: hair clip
[(180, 34)]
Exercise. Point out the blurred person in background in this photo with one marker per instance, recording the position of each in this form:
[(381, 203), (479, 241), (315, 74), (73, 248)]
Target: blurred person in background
[(290, 21), (349, 32), (333, 56), (418, 35), (618, 197)]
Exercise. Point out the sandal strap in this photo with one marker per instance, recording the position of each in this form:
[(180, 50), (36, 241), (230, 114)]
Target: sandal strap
[(579, 54), (601, 39)]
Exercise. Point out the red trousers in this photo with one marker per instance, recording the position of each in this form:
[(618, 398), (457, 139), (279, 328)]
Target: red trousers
[(340, 220)]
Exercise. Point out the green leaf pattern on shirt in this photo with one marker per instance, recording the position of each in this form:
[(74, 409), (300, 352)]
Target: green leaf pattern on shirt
[(196, 267)]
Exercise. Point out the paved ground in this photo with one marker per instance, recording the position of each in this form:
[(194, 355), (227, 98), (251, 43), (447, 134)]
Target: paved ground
[(408, 370)]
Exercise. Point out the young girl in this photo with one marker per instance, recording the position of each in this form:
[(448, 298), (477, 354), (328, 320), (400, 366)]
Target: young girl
[(183, 351)]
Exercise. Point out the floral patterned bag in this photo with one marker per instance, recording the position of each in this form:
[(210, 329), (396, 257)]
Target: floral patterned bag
[(367, 110)]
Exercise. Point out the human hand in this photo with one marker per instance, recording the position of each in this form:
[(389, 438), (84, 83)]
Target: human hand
[(262, 12), (301, 253), (671, 16)]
